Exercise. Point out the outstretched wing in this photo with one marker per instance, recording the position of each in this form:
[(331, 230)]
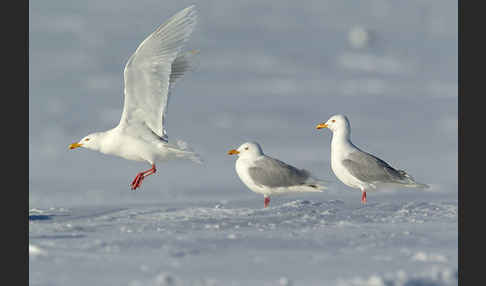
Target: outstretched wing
[(155, 65), (274, 173), (368, 168)]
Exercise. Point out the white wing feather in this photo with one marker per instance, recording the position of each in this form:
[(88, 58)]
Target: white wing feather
[(150, 71)]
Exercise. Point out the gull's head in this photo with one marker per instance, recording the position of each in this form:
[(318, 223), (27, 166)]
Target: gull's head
[(247, 150), (337, 122), (90, 141)]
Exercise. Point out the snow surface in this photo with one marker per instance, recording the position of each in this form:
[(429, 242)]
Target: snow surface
[(296, 242), (267, 72)]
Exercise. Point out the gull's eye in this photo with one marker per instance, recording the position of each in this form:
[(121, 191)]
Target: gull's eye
[(87, 139), (246, 148), (333, 121)]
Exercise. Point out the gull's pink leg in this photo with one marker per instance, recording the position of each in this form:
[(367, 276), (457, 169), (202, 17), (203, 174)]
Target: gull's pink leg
[(140, 176), (363, 197), (136, 180), (266, 202)]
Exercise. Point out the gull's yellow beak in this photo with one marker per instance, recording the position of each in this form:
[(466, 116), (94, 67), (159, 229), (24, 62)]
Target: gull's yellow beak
[(233, 151), (321, 125), (75, 145)]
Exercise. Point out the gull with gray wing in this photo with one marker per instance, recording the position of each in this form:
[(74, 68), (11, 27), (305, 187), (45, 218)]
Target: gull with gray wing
[(269, 176), (358, 169)]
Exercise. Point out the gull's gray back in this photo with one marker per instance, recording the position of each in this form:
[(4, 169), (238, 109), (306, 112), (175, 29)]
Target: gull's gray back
[(274, 173)]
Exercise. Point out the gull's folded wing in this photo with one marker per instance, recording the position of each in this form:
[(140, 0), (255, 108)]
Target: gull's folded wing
[(368, 168), (271, 172)]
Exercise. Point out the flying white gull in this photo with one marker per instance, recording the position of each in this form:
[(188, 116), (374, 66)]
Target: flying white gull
[(149, 75), (268, 176), (358, 169)]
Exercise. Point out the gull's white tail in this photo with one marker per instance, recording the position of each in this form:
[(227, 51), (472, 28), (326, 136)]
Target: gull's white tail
[(408, 181), (312, 185), (182, 150)]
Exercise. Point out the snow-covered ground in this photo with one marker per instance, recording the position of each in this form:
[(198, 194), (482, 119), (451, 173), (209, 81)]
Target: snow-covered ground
[(267, 72), (296, 242)]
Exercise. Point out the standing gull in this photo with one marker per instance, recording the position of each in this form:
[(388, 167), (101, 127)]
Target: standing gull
[(149, 74), (358, 169), (268, 176)]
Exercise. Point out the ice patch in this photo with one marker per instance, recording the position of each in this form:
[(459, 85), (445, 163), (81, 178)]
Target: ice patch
[(46, 214)]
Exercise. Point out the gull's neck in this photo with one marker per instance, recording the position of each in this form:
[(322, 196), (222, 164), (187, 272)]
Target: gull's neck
[(106, 142), (341, 141)]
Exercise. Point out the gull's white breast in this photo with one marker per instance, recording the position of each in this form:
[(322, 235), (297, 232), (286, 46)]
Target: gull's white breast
[(241, 167), (338, 154)]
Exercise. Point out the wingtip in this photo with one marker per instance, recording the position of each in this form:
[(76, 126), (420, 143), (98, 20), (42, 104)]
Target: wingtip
[(189, 12), (190, 8), (317, 188)]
